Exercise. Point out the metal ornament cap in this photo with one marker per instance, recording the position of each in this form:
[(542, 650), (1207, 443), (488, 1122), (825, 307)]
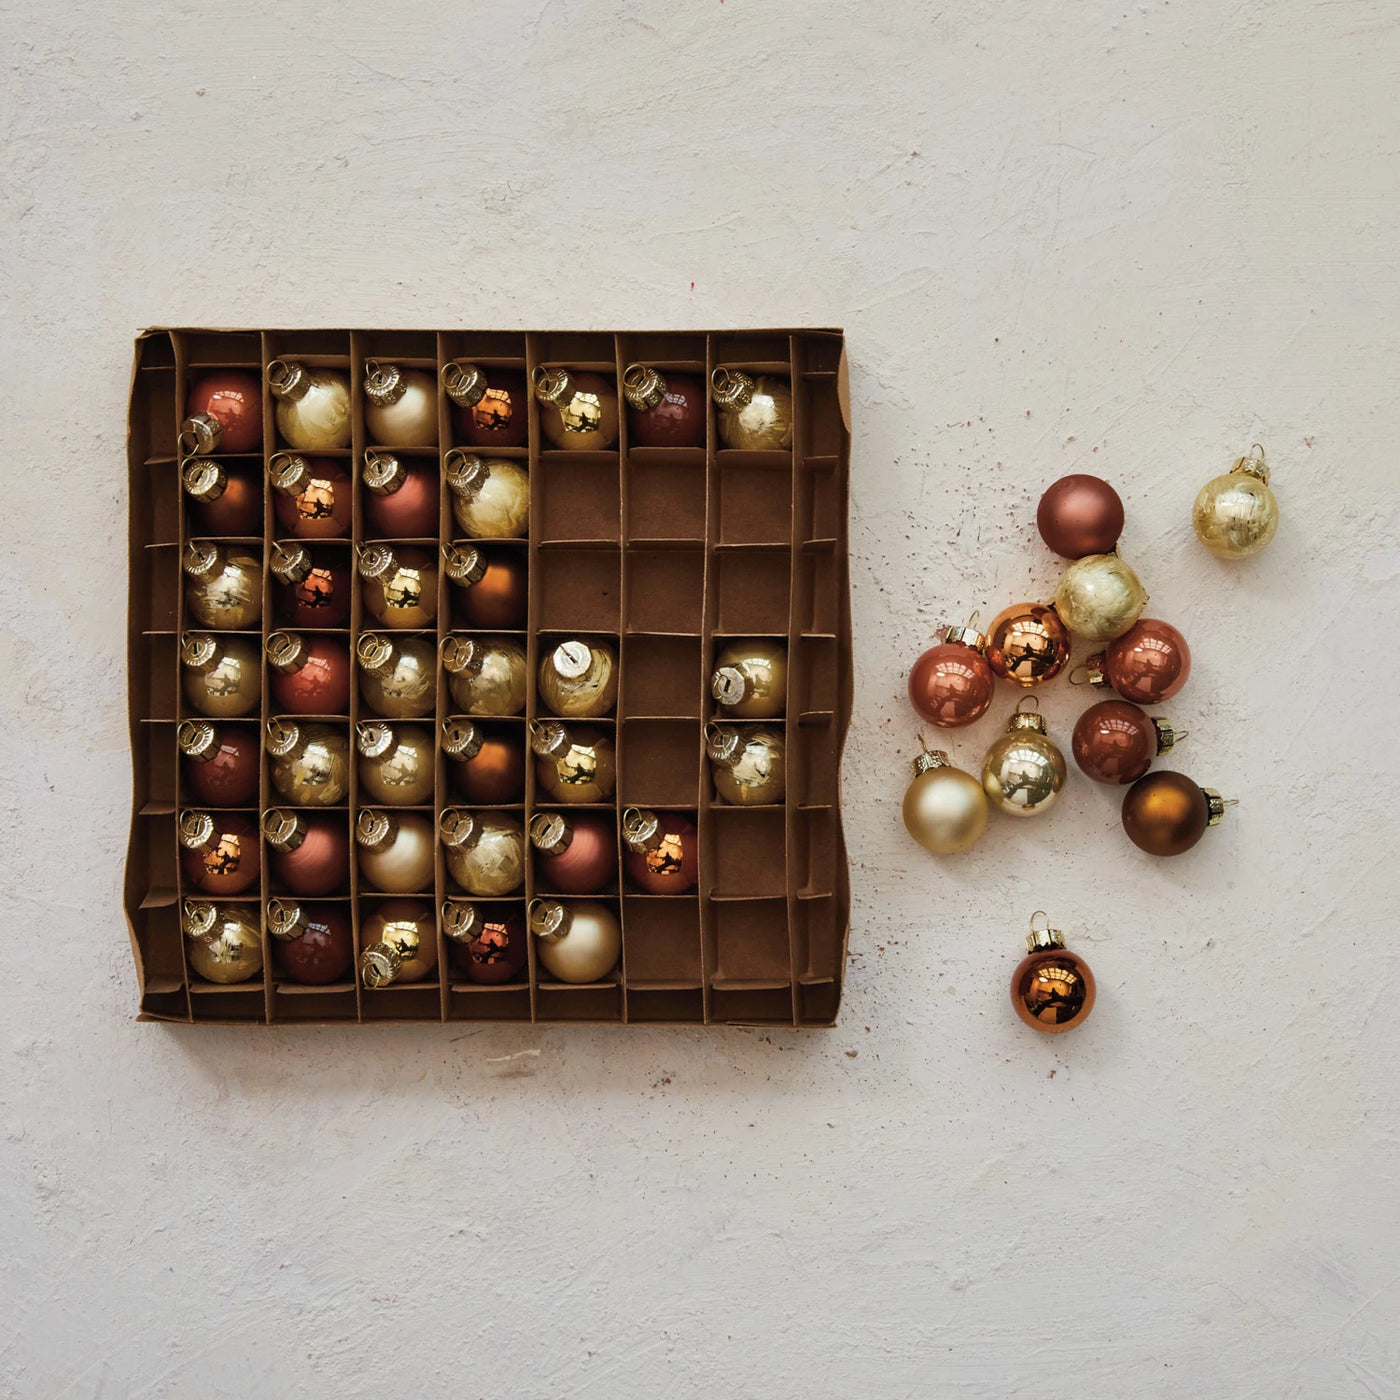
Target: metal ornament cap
[(375, 653), (200, 433), (458, 828), (461, 920), (967, 636), (197, 831), (1253, 464), (461, 739), (202, 559), (375, 560), (289, 473), (374, 738), (383, 473), (463, 563), (376, 829), (572, 659), (462, 654), (380, 964), (549, 738), (283, 829), (550, 833), (930, 759), (723, 744), (199, 920), (198, 740), (549, 919), (286, 652), (203, 480), (552, 385), (731, 388), (384, 384), (286, 921), (463, 383), (728, 686), (290, 563), (466, 473), (283, 735), (199, 651), (641, 830), (642, 386), (288, 380)]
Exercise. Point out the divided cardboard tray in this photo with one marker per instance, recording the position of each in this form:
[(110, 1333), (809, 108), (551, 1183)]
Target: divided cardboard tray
[(664, 553)]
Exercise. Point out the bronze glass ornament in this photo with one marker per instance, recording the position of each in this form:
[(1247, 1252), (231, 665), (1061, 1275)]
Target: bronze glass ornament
[(311, 942), (1080, 515), (488, 769), (310, 763), (1115, 742), (486, 675), (222, 941), (1166, 813), (493, 590), (490, 496), (399, 585), (750, 678), (746, 763), (490, 405), (489, 942), (220, 763), (1052, 989), (575, 854), (578, 410), (310, 851), (396, 766), (660, 850), (398, 675), (578, 942), (578, 679), (952, 684), (224, 499), (312, 496), (1149, 663), (224, 413), (398, 943), (752, 412), (1236, 515), (310, 675), (400, 405), (223, 586), (1027, 644), (313, 406), (1024, 771), (401, 497), (312, 594), (222, 675), (219, 851), (574, 764), (485, 851)]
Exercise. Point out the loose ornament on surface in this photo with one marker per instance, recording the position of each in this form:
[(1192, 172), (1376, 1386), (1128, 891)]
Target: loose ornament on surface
[(952, 684), (1052, 989), (1236, 515), (1115, 742), (1099, 597), (1166, 813), (1080, 515), (945, 810), (1027, 644), (1024, 771), (1149, 663)]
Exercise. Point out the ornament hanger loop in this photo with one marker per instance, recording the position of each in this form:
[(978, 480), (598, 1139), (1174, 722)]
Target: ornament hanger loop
[(1033, 700), (1080, 675), (1257, 450), (974, 619), (1040, 914)]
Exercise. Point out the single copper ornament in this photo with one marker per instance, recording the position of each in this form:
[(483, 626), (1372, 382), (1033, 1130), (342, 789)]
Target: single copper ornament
[(1027, 644), (220, 763), (313, 589), (224, 498), (1052, 989), (1149, 663), (311, 942), (490, 587), (308, 674), (488, 769), (400, 405), (488, 942), (490, 408), (952, 684), (1115, 742), (401, 497), (313, 497), (219, 852), (578, 410), (1080, 515), (664, 410), (574, 854), (308, 852), (223, 413), (661, 851), (1166, 813)]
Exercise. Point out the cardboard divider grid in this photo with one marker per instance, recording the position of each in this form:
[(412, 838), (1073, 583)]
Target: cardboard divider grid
[(664, 553)]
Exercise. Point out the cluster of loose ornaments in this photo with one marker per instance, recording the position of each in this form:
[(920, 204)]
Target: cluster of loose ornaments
[(1143, 660)]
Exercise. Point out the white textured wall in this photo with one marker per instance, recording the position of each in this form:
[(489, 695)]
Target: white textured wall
[(1127, 238)]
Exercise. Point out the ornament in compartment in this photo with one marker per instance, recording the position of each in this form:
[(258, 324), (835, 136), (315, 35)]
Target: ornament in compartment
[(746, 762), (750, 678), (221, 763), (313, 497), (489, 407), (400, 405), (398, 675), (310, 675), (486, 675), (1052, 989), (1166, 813), (395, 850), (309, 852), (399, 585), (1235, 515), (577, 942), (223, 588), (578, 410), (224, 499), (485, 851), (1024, 771), (222, 675), (578, 679), (222, 941), (401, 497), (398, 943), (396, 763), (485, 768), (661, 851), (313, 405), (491, 588), (219, 852), (665, 410), (490, 496), (310, 593), (488, 942), (311, 942), (753, 412), (574, 764), (223, 413), (310, 763), (576, 854)]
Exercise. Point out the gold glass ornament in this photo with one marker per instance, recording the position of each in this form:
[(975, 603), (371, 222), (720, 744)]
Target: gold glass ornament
[(485, 851), (398, 675), (754, 412), (398, 942), (945, 809), (490, 496), (577, 942), (400, 405), (750, 678), (1027, 644), (224, 588), (575, 764), (399, 585), (310, 762), (1023, 772), (222, 675), (1099, 597), (222, 941), (313, 405), (486, 675), (396, 763), (578, 679), (578, 410), (1052, 990), (1235, 515), (746, 763), (394, 850)]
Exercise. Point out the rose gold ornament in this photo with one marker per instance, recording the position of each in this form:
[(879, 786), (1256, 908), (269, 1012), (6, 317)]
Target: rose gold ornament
[(1080, 515), (313, 497), (220, 763), (661, 851), (1149, 663), (401, 497), (952, 684), (489, 404), (309, 852), (574, 854), (310, 675)]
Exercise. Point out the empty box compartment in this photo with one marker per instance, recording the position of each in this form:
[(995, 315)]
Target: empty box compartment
[(751, 941), (661, 676), (748, 1006), (818, 593), (820, 498), (665, 1004), (814, 852), (661, 936), (813, 682), (754, 591), (471, 1001), (558, 1001), (813, 765), (579, 590), (755, 498), (818, 935), (578, 496), (666, 495), (665, 590), (750, 846), (660, 763)]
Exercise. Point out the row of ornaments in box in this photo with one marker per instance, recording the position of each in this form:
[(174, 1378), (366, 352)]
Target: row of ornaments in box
[(579, 410)]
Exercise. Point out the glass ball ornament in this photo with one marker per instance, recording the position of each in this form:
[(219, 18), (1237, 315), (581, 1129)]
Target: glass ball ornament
[(221, 675), (578, 679), (220, 764), (1099, 597), (1166, 813), (488, 942), (574, 764), (578, 410), (1115, 742), (311, 591), (490, 496), (313, 405), (1052, 989), (746, 764), (485, 768), (394, 850), (308, 675), (1027, 644), (224, 498), (491, 589), (945, 809), (486, 675), (223, 588), (223, 413), (400, 405), (398, 943), (310, 764), (401, 497), (398, 675), (311, 942), (399, 586), (1149, 663), (1024, 772), (1236, 515), (753, 412), (490, 408), (308, 852), (313, 497), (219, 851), (485, 851), (396, 763), (1080, 515), (952, 683), (222, 941), (750, 678), (575, 853), (577, 942), (661, 851), (665, 410)]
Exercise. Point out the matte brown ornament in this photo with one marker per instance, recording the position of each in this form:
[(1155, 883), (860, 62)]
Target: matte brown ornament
[(401, 497), (488, 769), (491, 587), (1166, 813), (1080, 515), (1052, 989), (224, 498), (574, 854)]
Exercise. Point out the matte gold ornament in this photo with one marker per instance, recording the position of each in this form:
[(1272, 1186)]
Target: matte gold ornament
[(750, 678), (578, 410), (400, 405), (310, 762), (399, 585), (753, 412), (486, 675), (1099, 597), (1052, 990), (396, 763), (224, 585), (578, 679), (746, 762), (398, 675), (399, 943), (1235, 515), (485, 851), (490, 496), (313, 405), (395, 850), (945, 809), (222, 941), (1023, 772), (222, 675), (574, 763), (577, 942)]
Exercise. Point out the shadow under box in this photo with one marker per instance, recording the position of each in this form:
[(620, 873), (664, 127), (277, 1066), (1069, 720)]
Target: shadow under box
[(660, 763), (661, 676), (580, 498), (754, 593), (665, 590), (579, 590)]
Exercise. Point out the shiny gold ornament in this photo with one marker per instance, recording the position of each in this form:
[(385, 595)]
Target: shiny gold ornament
[(222, 941), (746, 763), (945, 809), (486, 675), (1023, 772), (485, 851), (398, 675), (750, 678), (396, 763), (310, 762), (313, 405), (577, 942), (1099, 597), (754, 411), (1235, 515), (490, 496), (225, 585), (222, 674), (400, 405), (1052, 990), (400, 585), (394, 850), (578, 410), (578, 679), (399, 943), (1027, 644), (575, 764)]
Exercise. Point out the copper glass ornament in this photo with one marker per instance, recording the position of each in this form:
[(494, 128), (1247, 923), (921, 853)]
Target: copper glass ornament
[(746, 763), (312, 496), (945, 810), (220, 764), (952, 684), (1235, 515), (1099, 597), (308, 852), (664, 410), (398, 675), (311, 942), (491, 589), (578, 410), (222, 675), (396, 763), (574, 854), (222, 941), (488, 942), (310, 764), (1149, 663), (661, 851), (398, 943), (223, 587), (490, 497), (1165, 813), (219, 852), (486, 675), (400, 405), (224, 413), (308, 675), (489, 404), (574, 764), (1024, 771), (1115, 742), (577, 942), (313, 405), (578, 679), (399, 585), (485, 768), (752, 412), (1052, 989), (1080, 515), (1027, 644), (401, 497), (485, 851), (750, 678), (224, 499), (311, 591)]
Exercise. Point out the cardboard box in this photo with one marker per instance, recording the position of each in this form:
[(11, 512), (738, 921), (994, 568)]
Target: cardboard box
[(664, 551)]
